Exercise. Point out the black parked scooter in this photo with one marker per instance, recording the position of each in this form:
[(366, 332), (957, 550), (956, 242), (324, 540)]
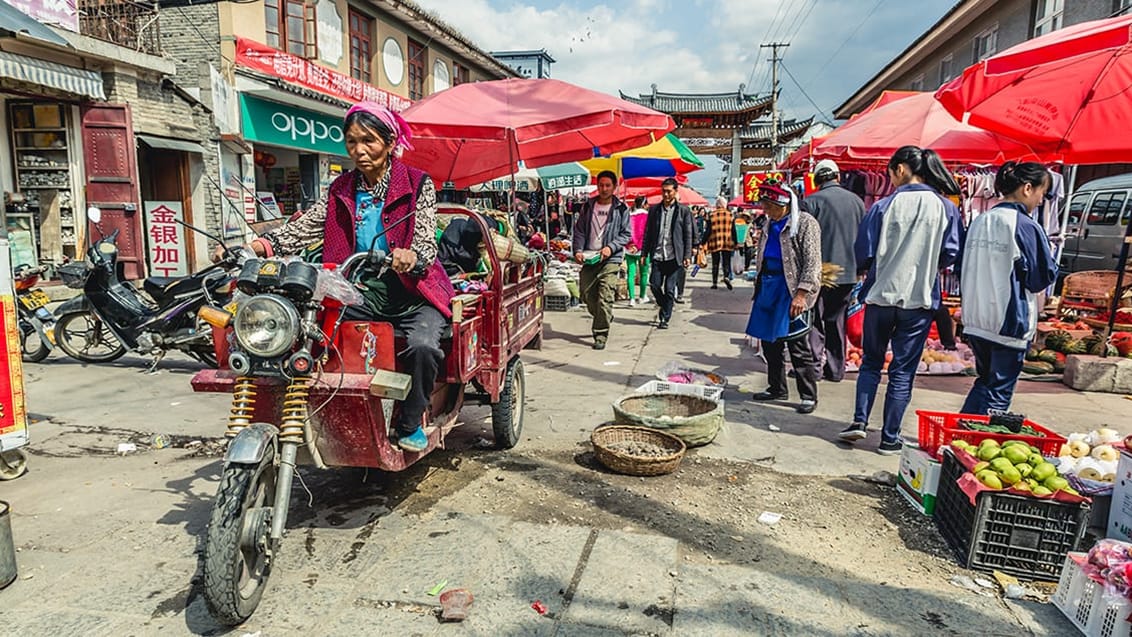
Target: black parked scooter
[(111, 317)]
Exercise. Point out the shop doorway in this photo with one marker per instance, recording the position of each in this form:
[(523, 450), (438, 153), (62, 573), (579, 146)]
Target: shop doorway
[(164, 175)]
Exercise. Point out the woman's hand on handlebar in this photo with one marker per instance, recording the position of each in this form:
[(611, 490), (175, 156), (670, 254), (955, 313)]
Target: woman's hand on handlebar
[(219, 253), (403, 260)]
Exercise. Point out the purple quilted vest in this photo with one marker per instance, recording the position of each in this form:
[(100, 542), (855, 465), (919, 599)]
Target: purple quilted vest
[(401, 199)]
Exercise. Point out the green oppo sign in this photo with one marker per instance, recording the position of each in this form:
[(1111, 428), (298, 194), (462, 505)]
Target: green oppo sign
[(282, 125)]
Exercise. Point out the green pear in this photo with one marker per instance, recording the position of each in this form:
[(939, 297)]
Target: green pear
[(979, 466), (1024, 469), (1016, 454), (1001, 464), (1022, 485), (1055, 483), (1010, 476), (1040, 490), (1011, 443), (1035, 459), (960, 444), (988, 442), (989, 452), (990, 479), (1043, 471)]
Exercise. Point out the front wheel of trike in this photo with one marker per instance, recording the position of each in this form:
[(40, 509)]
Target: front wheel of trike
[(507, 414), (237, 562)]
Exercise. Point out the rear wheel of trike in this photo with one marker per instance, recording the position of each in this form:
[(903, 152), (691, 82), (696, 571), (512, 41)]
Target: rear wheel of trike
[(236, 559), (507, 414)]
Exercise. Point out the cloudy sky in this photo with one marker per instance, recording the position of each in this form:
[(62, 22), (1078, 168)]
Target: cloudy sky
[(703, 45)]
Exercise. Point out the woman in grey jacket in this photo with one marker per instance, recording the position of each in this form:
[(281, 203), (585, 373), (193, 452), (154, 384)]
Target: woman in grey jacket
[(789, 258)]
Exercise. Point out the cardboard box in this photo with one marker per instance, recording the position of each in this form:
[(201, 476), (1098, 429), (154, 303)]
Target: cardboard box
[(918, 479), (1120, 511)]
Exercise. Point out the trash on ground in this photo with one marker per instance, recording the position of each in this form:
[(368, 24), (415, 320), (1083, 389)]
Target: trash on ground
[(539, 607), (435, 590), (455, 604), (769, 518), (126, 447), (611, 363), (965, 582), (774, 427), (159, 441), (483, 443)]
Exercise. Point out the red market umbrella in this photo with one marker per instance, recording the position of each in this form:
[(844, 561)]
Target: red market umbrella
[(685, 195), (474, 132), (917, 120), (1066, 92)]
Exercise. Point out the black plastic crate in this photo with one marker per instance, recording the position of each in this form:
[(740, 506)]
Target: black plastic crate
[(1024, 536)]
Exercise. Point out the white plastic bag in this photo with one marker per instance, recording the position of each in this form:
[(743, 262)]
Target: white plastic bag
[(332, 284)]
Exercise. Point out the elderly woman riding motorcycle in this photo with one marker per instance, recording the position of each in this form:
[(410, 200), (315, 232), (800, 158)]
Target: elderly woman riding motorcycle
[(367, 208)]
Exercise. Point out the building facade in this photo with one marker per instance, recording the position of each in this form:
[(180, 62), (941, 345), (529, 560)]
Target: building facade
[(970, 32), (528, 64)]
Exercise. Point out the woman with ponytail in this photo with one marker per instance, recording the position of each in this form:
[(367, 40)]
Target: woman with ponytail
[(903, 243), (1006, 262)]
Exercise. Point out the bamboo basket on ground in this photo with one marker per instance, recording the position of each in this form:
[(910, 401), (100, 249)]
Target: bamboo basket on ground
[(603, 438)]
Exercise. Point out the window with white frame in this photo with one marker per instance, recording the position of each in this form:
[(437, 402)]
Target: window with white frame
[(986, 44), (1048, 16), (946, 69), (917, 83)]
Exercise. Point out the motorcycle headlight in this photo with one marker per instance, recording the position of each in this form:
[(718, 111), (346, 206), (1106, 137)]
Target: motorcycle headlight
[(266, 326)]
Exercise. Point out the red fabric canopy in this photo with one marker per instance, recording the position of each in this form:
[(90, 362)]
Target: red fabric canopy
[(917, 120), (474, 132), (686, 196), (1066, 93)]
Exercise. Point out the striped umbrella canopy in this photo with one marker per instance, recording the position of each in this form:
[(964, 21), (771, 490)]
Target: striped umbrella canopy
[(666, 157)]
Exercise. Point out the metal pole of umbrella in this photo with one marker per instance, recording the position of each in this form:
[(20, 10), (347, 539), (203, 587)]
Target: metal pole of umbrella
[(546, 211), (1121, 264), (1071, 189)]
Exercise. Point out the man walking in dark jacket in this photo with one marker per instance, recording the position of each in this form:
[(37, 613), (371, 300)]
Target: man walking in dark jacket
[(839, 213), (601, 233), (668, 240)]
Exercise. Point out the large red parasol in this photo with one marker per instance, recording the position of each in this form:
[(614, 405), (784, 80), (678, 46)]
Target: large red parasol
[(917, 120), (1067, 92), (474, 132)]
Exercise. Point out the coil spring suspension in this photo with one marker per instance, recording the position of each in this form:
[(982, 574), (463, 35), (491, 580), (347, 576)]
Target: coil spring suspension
[(243, 406), (295, 410)]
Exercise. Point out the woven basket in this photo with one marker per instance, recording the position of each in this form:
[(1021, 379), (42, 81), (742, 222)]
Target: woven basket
[(622, 462), (692, 419)]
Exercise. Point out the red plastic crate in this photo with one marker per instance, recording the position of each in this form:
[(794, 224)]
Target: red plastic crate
[(938, 429)]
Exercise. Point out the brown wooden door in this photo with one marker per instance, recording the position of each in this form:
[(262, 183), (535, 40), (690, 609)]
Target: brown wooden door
[(112, 181)]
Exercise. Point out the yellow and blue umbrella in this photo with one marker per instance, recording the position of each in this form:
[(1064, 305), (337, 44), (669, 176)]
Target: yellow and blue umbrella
[(666, 157)]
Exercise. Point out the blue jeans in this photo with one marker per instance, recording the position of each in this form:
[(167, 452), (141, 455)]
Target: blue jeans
[(907, 331), (998, 367)]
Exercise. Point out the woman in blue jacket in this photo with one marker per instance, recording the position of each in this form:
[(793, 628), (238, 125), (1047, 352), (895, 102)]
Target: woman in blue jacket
[(902, 244), (1007, 261)]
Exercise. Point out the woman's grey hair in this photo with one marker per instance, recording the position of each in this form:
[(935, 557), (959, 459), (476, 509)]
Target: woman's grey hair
[(721, 202)]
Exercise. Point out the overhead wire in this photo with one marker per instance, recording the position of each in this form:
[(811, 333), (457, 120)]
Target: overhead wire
[(849, 37), (819, 109), (766, 34)]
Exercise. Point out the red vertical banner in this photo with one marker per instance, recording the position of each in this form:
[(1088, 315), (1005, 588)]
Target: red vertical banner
[(751, 182), (13, 411)]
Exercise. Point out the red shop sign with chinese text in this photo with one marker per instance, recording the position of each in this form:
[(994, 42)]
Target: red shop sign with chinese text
[(260, 57), (751, 183)]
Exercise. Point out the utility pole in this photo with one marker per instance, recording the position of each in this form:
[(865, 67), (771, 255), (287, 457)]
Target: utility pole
[(774, 60)]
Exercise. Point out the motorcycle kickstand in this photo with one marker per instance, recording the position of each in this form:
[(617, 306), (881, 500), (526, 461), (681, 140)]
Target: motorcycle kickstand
[(157, 358)]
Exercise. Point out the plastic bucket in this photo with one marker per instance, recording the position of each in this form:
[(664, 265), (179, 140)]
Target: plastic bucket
[(7, 547)]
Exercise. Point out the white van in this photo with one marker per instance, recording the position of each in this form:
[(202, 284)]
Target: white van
[(1098, 218)]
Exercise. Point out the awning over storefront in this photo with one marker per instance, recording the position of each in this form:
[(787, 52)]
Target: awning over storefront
[(57, 76), (268, 122), (163, 143), (16, 22)]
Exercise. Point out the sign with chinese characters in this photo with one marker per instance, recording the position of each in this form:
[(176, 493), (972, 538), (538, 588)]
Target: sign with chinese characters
[(13, 414), (329, 32), (751, 183), (565, 181), (260, 57), (165, 237), (62, 13)]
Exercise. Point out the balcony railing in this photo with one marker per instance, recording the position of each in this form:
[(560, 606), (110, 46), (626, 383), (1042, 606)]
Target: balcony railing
[(133, 25)]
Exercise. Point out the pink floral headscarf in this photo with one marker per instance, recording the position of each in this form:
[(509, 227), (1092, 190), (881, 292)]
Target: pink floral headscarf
[(401, 132)]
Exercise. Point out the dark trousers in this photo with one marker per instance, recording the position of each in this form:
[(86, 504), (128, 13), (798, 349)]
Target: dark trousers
[(946, 327), (907, 331), (663, 280), (681, 277), (421, 360), (717, 258), (801, 357), (828, 335), (598, 286), (748, 255), (998, 367)]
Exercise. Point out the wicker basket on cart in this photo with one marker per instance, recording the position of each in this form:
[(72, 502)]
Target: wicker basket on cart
[(635, 465), (1090, 290)]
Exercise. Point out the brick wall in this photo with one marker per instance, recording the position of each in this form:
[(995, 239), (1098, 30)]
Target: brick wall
[(190, 35)]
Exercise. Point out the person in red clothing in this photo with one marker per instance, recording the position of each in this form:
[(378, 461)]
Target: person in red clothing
[(636, 261)]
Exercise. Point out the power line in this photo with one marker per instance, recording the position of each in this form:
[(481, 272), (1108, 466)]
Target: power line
[(799, 23), (857, 28), (821, 112), (765, 38)]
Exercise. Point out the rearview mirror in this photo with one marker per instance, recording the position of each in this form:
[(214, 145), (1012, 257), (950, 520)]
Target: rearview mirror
[(94, 213)]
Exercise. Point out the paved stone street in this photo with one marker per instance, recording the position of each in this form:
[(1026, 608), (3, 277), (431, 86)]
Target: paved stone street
[(108, 544)]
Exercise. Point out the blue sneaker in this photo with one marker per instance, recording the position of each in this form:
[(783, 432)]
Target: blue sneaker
[(416, 441)]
